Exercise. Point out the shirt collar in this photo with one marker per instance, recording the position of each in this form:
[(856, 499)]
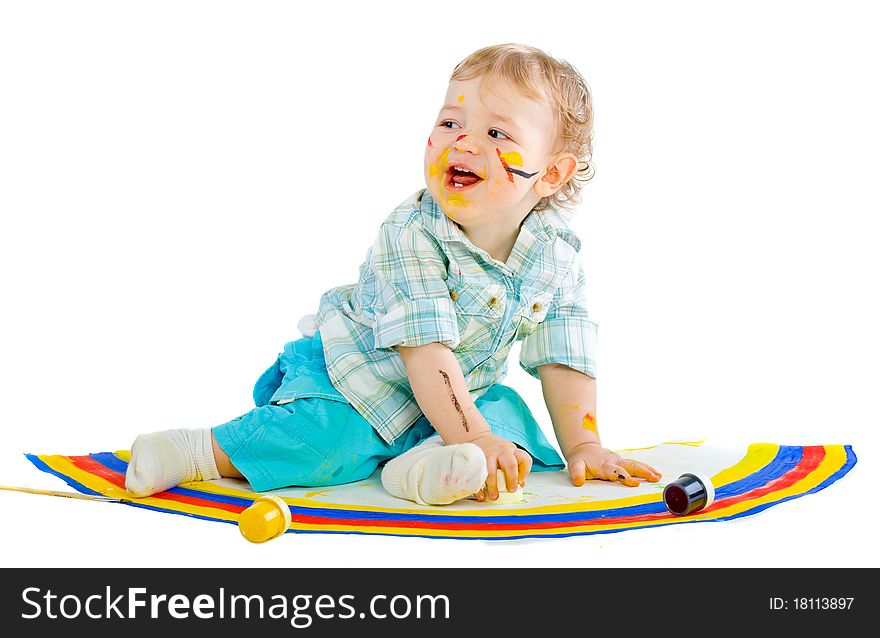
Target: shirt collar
[(544, 226)]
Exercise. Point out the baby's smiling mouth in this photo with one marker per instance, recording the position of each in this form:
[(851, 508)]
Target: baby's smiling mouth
[(460, 177)]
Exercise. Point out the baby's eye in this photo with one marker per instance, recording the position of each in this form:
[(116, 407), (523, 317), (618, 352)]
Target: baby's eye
[(449, 124), (498, 135)]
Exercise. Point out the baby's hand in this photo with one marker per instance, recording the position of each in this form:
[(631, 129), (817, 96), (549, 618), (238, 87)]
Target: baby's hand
[(592, 461), (504, 455)]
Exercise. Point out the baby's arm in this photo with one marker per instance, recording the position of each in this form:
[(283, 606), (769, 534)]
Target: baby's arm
[(441, 392), (571, 400)]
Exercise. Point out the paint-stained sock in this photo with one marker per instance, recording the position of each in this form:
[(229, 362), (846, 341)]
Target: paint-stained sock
[(161, 460), (435, 474)]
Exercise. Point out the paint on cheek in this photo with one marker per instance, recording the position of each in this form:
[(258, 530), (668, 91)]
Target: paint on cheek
[(460, 137), (430, 144), (513, 158), (460, 99), (504, 164), (590, 423)]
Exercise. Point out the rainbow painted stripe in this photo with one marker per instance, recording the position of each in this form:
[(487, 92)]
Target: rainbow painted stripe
[(767, 475)]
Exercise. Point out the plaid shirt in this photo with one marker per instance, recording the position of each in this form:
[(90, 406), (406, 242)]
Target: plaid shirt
[(423, 281)]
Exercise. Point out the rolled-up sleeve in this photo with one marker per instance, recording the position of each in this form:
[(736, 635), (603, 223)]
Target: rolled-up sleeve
[(412, 305), (566, 335)]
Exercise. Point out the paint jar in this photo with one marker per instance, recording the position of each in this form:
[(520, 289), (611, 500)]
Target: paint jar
[(267, 518), (688, 493), (505, 497)]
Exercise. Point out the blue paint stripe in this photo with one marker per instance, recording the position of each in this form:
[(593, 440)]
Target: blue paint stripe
[(786, 458), (851, 460), (113, 462), (79, 487)]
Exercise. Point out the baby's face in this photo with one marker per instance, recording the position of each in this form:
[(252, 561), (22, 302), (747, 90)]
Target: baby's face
[(485, 153)]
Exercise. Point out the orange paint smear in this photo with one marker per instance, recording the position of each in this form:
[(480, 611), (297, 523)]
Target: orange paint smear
[(590, 423)]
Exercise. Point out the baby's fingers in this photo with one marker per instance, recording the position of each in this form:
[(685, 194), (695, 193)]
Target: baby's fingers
[(620, 474), (509, 466), (642, 470), (578, 471), (491, 489), (524, 465)]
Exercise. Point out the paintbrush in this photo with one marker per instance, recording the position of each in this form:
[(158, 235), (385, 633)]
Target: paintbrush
[(84, 497)]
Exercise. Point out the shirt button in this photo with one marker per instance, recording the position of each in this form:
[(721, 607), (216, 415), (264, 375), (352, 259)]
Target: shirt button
[(493, 302), (453, 295), (536, 307)]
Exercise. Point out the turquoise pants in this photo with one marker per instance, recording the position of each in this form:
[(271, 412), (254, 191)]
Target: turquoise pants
[(320, 439)]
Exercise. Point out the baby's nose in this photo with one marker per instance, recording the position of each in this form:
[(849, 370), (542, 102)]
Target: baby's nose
[(465, 144)]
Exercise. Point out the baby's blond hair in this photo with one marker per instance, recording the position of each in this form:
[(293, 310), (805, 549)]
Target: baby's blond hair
[(538, 75)]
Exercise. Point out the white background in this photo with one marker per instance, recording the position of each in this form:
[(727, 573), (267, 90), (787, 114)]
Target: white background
[(180, 181)]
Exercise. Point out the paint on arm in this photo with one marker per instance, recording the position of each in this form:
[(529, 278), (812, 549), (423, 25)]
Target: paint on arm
[(455, 402), (590, 423)]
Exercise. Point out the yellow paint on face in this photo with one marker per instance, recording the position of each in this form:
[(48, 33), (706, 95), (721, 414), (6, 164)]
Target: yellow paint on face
[(460, 99), (590, 423), (456, 199), (513, 158), (440, 165)]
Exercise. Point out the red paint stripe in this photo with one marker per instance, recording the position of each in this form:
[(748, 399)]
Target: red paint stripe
[(813, 455), (90, 465), (460, 137), (505, 165)]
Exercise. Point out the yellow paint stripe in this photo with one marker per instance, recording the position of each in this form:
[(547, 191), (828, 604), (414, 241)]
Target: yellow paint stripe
[(512, 158), (651, 447), (688, 443), (757, 457), (65, 466)]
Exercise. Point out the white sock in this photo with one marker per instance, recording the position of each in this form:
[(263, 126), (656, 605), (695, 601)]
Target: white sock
[(161, 460), (435, 474)]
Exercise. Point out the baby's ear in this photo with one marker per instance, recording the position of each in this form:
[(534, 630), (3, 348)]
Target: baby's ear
[(560, 171)]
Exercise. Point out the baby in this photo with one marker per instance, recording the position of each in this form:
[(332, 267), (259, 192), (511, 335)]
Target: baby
[(403, 368)]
